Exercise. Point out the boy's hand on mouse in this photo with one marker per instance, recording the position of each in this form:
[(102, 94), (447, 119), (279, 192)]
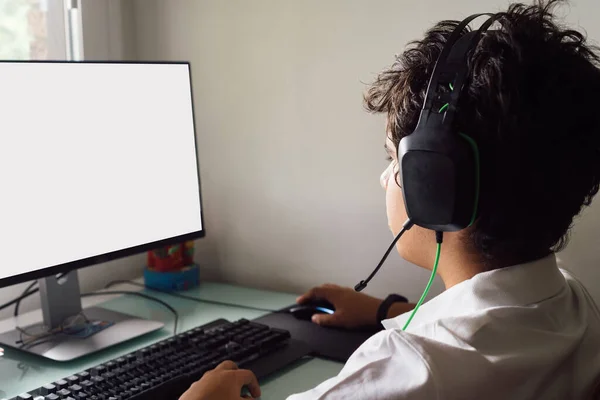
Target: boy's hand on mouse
[(225, 382), (352, 309)]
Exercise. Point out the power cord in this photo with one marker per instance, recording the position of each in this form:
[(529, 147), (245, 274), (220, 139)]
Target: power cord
[(182, 296), (16, 313), (26, 293), (18, 299), (438, 238)]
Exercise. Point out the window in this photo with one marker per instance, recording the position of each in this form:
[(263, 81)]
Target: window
[(23, 30), (32, 30), (66, 29)]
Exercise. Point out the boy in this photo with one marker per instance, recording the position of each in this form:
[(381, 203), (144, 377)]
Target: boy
[(511, 324)]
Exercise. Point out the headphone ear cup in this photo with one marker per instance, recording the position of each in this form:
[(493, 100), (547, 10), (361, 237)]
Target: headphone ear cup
[(438, 177)]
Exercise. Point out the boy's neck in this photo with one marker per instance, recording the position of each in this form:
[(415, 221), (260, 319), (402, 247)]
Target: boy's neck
[(458, 266)]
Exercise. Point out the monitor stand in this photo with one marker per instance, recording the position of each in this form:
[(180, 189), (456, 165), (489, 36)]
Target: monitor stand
[(79, 332)]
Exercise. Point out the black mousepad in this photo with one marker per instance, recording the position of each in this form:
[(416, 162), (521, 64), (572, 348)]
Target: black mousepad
[(332, 343)]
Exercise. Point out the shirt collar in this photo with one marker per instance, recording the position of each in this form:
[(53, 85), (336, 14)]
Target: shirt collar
[(517, 285)]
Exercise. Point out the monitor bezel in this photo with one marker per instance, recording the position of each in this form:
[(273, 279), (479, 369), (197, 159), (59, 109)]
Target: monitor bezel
[(114, 255)]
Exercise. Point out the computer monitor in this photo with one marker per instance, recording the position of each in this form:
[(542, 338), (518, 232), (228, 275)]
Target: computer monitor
[(98, 161)]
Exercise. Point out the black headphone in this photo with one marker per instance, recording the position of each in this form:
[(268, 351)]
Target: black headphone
[(439, 167)]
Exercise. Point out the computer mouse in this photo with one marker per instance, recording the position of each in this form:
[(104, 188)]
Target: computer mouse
[(305, 311)]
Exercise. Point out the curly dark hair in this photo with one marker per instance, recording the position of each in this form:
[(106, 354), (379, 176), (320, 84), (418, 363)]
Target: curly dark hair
[(532, 104)]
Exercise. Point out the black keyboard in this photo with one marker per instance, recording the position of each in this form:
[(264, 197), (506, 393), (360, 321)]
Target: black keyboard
[(166, 369)]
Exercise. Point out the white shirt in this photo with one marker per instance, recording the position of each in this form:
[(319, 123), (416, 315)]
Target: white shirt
[(529, 331)]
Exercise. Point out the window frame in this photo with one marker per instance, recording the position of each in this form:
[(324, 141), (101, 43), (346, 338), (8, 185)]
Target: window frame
[(57, 38)]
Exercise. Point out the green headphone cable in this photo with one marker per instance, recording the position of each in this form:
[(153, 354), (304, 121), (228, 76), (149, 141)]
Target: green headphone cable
[(438, 237)]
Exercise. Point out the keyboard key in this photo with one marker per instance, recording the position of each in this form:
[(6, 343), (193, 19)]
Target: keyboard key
[(75, 388), (99, 370), (86, 384), (72, 379), (109, 376), (63, 393), (269, 340), (281, 332), (259, 327), (83, 375), (237, 355), (110, 365), (47, 389), (158, 380), (239, 338), (51, 397), (61, 384), (38, 398), (24, 396), (249, 340)]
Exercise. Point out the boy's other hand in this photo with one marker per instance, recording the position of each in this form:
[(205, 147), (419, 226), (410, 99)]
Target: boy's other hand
[(225, 382)]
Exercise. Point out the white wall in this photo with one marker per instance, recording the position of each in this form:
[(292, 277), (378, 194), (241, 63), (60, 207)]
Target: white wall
[(289, 160)]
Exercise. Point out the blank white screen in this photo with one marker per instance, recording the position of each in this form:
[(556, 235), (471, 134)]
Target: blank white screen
[(94, 158)]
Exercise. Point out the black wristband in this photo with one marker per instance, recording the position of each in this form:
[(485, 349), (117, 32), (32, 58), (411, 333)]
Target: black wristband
[(387, 303)]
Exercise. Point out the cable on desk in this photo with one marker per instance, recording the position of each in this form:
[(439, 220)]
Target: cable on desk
[(18, 299), (26, 293), (22, 297), (145, 296), (220, 303)]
